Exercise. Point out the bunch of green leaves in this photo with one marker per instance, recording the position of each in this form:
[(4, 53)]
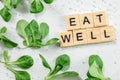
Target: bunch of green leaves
[(37, 5), (95, 69), (62, 63), (34, 34), (24, 62), (7, 42), (8, 5)]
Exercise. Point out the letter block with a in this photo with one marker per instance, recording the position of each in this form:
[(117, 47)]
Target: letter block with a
[(66, 38), (86, 20)]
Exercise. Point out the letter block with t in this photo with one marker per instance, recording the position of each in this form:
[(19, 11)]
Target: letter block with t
[(66, 38), (100, 18)]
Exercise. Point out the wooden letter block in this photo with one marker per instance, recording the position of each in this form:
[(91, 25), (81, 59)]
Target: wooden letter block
[(93, 35), (80, 36), (86, 20), (107, 33), (100, 18), (72, 22), (66, 38)]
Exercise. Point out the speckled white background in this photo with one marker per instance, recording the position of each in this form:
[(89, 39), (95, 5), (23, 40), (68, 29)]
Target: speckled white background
[(54, 15)]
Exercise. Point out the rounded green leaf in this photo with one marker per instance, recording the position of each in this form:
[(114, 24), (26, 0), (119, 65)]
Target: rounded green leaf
[(36, 6), (20, 28), (92, 79), (95, 71), (8, 43), (16, 3), (3, 30), (22, 75), (5, 14), (48, 1), (8, 4), (43, 30), (63, 61), (97, 59), (31, 29), (24, 62), (70, 75), (67, 74), (45, 63), (52, 41)]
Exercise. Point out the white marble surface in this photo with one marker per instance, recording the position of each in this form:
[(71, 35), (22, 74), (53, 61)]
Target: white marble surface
[(54, 15)]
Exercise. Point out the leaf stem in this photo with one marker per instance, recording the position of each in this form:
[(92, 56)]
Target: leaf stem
[(48, 77), (10, 68)]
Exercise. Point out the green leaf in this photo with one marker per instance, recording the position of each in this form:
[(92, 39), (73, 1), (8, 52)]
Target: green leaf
[(62, 63), (48, 1), (5, 56), (22, 75), (3, 30), (21, 24), (44, 30), (107, 79), (5, 14), (36, 6), (8, 43), (95, 71), (52, 41), (67, 74), (16, 3), (19, 75), (24, 62), (20, 28), (33, 34), (97, 59), (31, 29), (8, 4), (88, 74), (45, 63), (92, 79)]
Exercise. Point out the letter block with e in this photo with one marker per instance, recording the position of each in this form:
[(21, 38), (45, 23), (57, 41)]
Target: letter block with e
[(80, 36), (72, 22)]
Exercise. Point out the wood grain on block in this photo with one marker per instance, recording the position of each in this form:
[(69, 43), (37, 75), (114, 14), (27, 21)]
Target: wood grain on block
[(100, 18), (107, 33), (72, 22), (86, 20), (93, 35), (66, 38), (79, 36)]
